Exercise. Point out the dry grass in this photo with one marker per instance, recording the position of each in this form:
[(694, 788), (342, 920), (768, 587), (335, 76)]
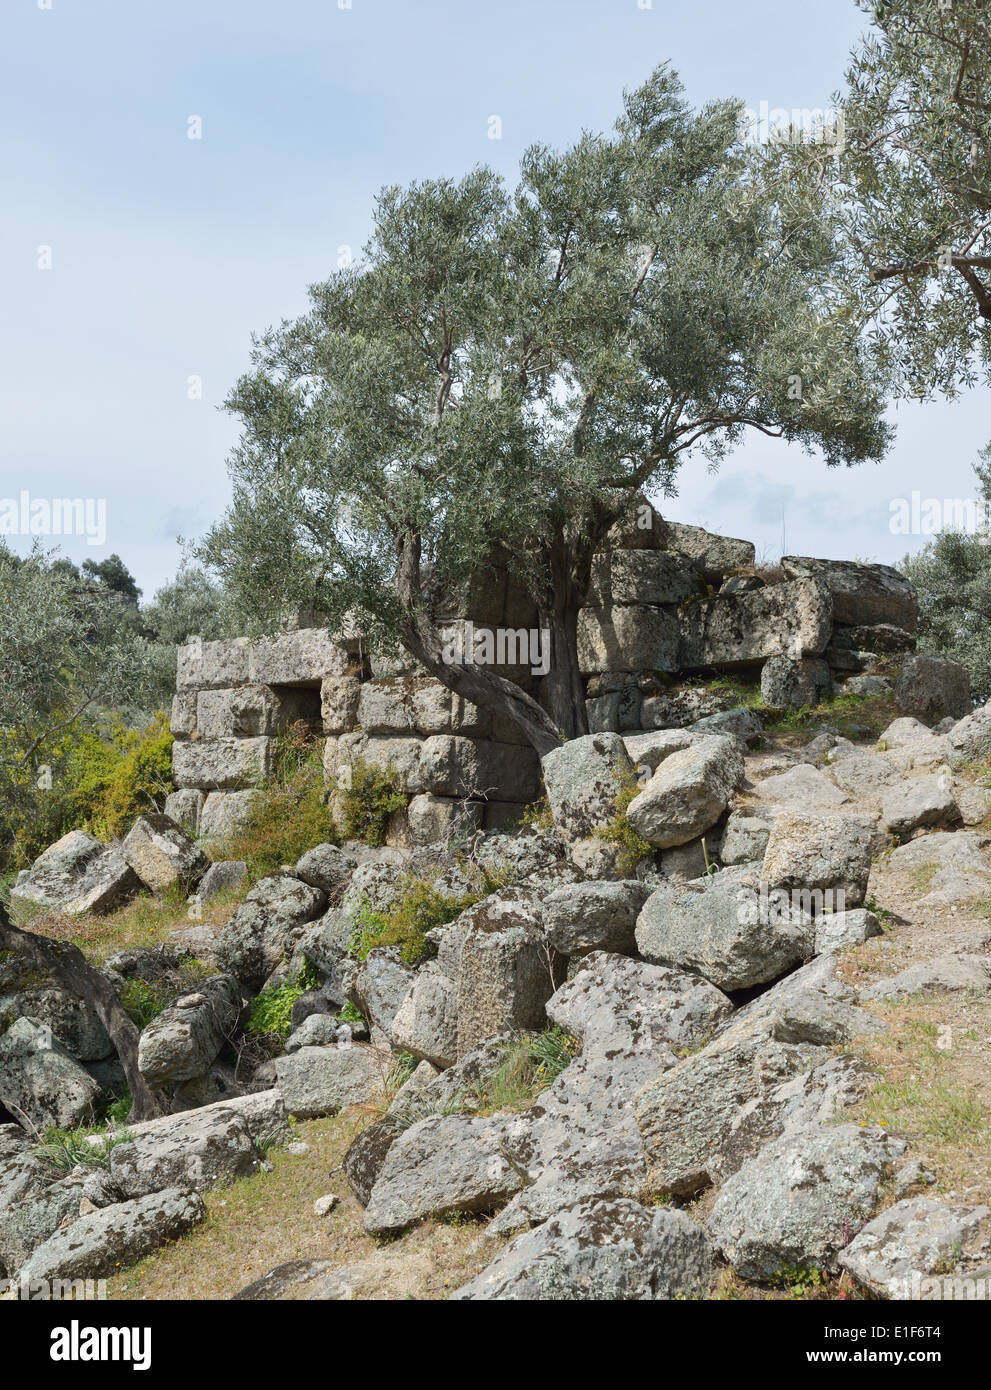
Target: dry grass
[(267, 1219)]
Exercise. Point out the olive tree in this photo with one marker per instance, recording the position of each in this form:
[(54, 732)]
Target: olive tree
[(511, 369)]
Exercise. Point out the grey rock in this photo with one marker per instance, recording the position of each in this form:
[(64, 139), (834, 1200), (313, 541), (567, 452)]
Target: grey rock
[(96, 1245), (73, 1021), (683, 706), (379, 986), (726, 929), (227, 873), (803, 787), (627, 637), (794, 682), (28, 1223), (796, 1203), (942, 975), (969, 741), (744, 839), (946, 867), (713, 556), (265, 927), (222, 765), (826, 853), (909, 1243), (426, 1023), (322, 1080), (583, 778), (77, 874), (441, 1164), (834, 931), (600, 1250), (920, 803), (316, 1030), (185, 1039), (41, 1080), (688, 793), (196, 1149), (862, 594), (741, 630), (161, 855), (584, 917), (931, 688), (326, 867)]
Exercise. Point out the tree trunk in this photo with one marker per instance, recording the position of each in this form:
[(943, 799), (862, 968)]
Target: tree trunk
[(73, 973), (563, 690)]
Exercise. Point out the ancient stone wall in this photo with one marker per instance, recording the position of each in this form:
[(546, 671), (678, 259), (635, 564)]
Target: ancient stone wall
[(666, 601)]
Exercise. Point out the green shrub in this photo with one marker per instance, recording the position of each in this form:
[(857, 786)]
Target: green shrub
[(61, 1150), (634, 848), (290, 815), (366, 804), (271, 1012), (420, 907)]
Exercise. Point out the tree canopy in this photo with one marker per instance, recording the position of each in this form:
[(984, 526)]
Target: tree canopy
[(511, 368)]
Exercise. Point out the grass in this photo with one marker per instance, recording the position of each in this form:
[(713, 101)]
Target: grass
[(146, 999), (62, 1150), (367, 799), (634, 849), (420, 907), (920, 879), (934, 1087), (265, 1220)]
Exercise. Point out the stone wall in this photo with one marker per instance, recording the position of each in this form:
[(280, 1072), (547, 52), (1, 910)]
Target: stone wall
[(665, 601)]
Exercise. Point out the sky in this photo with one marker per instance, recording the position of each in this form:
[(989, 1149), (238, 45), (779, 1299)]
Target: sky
[(135, 261)]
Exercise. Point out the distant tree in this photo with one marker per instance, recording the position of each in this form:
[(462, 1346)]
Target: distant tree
[(917, 167), (953, 577), (114, 574), (513, 369), (191, 605)]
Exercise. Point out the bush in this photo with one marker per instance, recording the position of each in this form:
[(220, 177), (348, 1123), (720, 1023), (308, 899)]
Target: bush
[(271, 1013), (291, 815), (634, 848), (420, 907), (367, 803)]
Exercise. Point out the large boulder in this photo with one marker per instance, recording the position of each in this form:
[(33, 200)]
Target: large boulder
[(931, 688), (583, 779), (581, 1138), (601, 1250), (323, 1080), (73, 1021), (713, 556), (945, 868), (185, 1039), (99, 1244), (683, 706), (223, 764), (861, 594), (688, 793), (741, 630), (426, 1023), (788, 682), (265, 928), (506, 969), (440, 1164), (161, 855), (41, 1081), (77, 874), (627, 637), (726, 928), (687, 1114), (597, 916), (197, 1149), (825, 857), (910, 1243), (969, 741), (794, 1205), (918, 804), (326, 867), (641, 576)]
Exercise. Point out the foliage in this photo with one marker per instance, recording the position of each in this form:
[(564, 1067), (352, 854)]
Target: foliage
[(917, 185), (271, 1011), (509, 370), (366, 799), (288, 818), (420, 906), (146, 999), (634, 848), (952, 575), (62, 1150)]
